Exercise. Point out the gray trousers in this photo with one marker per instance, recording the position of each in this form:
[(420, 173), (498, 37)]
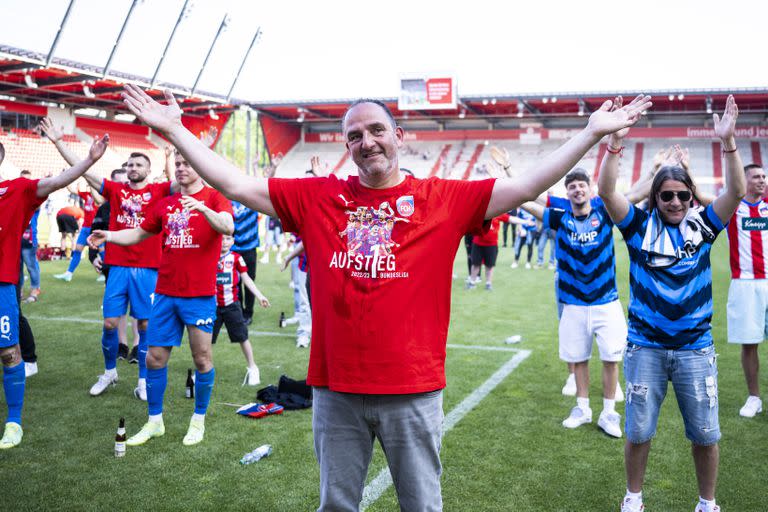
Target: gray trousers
[(409, 428)]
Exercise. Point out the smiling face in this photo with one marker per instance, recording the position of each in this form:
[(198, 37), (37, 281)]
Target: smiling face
[(579, 193), (137, 169), (674, 211), (373, 142), (755, 183)]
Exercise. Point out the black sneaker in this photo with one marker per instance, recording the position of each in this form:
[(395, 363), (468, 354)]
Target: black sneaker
[(134, 357), (122, 352)]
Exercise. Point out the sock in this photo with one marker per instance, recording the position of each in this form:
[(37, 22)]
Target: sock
[(707, 504), (634, 496), (13, 384), (156, 418), (198, 417), (112, 372), (203, 388), (157, 380), (109, 345), (609, 404), (142, 354), (143, 383), (75, 261), (583, 403)]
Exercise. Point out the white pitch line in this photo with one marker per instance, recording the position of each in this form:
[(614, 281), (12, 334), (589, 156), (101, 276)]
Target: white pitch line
[(490, 348), (383, 480), (93, 321)]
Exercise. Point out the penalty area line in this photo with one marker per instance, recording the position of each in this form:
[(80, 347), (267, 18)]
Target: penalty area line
[(383, 480)]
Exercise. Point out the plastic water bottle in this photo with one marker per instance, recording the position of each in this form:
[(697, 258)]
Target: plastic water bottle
[(257, 454)]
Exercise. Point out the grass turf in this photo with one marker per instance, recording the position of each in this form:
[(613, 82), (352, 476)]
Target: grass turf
[(509, 453)]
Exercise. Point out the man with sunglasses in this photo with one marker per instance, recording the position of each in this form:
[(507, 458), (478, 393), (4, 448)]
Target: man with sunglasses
[(670, 307), (748, 292)]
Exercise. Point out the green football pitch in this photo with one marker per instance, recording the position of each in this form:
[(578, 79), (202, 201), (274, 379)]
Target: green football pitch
[(505, 448)]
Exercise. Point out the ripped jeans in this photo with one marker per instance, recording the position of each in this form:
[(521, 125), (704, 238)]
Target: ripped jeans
[(694, 378)]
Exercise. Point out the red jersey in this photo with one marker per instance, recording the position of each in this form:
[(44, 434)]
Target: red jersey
[(491, 237), (190, 245), (382, 264), (748, 240), (127, 210), (89, 208), (231, 265), (18, 201)]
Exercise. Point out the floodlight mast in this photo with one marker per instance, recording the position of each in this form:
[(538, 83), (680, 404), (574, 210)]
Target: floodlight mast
[(119, 38), (256, 37), (58, 34), (183, 14), (222, 28)]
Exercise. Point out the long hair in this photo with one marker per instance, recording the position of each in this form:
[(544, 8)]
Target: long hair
[(669, 173)]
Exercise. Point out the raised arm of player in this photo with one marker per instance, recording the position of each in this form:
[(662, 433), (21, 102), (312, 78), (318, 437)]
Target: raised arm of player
[(616, 204), (251, 191), (735, 182), (47, 185), (122, 237), (221, 222), (511, 193), (55, 135)]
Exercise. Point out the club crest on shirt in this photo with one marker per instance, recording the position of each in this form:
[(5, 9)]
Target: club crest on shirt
[(370, 247), (404, 205), (147, 196), (763, 210), (594, 222)]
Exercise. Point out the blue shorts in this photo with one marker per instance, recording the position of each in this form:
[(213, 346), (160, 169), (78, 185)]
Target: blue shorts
[(9, 316), (82, 238), (171, 314), (694, 378), (129, 285)]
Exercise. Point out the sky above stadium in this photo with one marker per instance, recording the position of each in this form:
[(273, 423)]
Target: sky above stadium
[(344, 49)]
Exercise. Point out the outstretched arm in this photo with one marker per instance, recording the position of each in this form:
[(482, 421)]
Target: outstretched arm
[(251, 191), (55, 135), (221, 222), (534, 208), (511, 193), (47, 185), (616, 204), (735, 181), (122, 237)]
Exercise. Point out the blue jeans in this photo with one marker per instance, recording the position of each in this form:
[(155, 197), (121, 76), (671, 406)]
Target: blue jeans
[(546, 235), (29, 257), (694, 378)]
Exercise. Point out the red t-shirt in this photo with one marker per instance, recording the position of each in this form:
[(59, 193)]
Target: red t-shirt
[(72, 211), (491, 237), (127, 210), (18, 201), (89, 208), (228, 271), (381, 287), (191, 247)]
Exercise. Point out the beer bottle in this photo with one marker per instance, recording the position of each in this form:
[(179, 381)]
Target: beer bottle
[(120, 439), (190, 392), (281, 323)]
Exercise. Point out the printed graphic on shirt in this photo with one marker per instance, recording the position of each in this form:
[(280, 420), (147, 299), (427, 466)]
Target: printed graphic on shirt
[(179, 231), (131, 208), (370, 247)]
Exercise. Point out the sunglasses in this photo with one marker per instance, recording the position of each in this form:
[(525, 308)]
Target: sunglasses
[(669, 195)]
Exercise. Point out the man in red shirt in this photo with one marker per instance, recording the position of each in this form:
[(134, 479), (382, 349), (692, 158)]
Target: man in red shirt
[(373, 377), (19, 199), (133, 270), (485, 249), (191, 222)]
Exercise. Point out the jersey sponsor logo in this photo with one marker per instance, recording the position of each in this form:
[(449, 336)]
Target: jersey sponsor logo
[(224, 278), (405, 206), (583, 238), (370, 247), (754, 223)]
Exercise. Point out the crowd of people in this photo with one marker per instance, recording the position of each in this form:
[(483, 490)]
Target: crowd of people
[(179, 254)]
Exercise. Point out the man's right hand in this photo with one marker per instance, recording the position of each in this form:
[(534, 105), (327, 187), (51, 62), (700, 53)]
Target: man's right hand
[(163, 118), (96, 238), (47, 127), (97, 264)]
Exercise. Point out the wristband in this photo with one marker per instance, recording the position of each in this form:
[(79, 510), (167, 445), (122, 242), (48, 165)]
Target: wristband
[(612, 151), (731, 150), (109, 236)]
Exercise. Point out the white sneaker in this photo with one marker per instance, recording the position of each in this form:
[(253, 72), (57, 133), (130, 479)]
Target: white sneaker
[(105, 380), (302, 342), (290, 321), (66, 276), (578, 417), (528, 266), (753, 406), (610, 423), (101, 278), (702, 508), (140, 391), (195, 433), (264, 259), (30, 369), (569, 389), (513, 265), (551, 266), (252, 377), (629, 505), (619, 397)]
